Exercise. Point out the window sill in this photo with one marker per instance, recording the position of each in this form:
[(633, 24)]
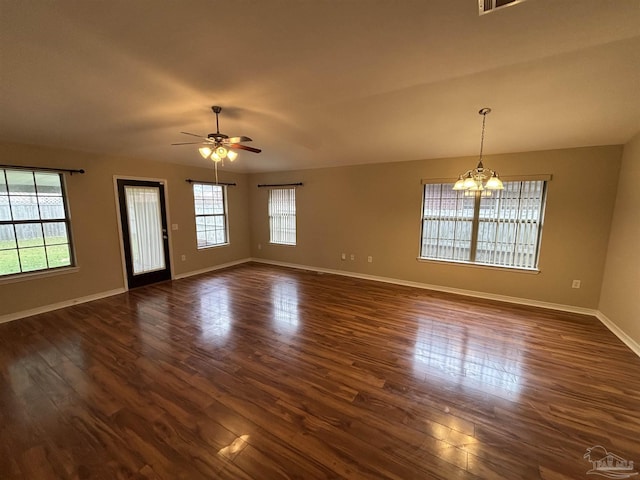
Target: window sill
[(214, 246), (25, 277), (282, 244), (530, 271)]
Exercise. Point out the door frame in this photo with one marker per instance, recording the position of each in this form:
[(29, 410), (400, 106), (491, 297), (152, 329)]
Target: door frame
[(165, 184)]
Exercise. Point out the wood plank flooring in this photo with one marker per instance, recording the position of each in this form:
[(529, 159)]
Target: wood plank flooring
[(261, 372)]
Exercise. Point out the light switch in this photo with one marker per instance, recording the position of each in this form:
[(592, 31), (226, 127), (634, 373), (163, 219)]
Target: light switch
[(174, 226)]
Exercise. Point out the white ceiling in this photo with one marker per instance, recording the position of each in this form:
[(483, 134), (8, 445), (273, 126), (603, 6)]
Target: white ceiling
[(318, 82)]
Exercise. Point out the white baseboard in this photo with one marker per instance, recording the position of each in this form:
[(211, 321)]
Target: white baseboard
[(56, 306), (439, 288), (211, 269), (618, 332)]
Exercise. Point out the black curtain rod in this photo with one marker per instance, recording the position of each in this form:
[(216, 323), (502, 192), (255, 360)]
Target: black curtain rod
[(261, 185), (47, 169), (211, 183)]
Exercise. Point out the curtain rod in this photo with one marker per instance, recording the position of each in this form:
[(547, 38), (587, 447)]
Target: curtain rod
[(47, 169), (261, 185), (189, 180)]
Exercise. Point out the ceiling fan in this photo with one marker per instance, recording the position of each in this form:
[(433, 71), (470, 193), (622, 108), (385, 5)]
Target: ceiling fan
[(218, 146)]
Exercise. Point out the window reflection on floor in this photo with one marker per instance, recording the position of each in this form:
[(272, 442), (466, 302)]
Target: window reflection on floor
[(154, 329), (454, 355), (234, 448), (215, 315), (284, 297)]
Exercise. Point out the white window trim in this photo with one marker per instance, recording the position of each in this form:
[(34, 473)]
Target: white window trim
[(24, 277), (485, 266), (225, 214)]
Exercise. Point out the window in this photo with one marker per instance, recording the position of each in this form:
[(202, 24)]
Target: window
[(487, 6), (502, 229), (34, 222), (282, 216), (211, 215)]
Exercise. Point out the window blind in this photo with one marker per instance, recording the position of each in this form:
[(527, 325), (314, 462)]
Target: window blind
[(282, 216)]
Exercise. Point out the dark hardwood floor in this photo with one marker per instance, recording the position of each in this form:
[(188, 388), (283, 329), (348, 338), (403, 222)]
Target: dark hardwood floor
[(265, 373)]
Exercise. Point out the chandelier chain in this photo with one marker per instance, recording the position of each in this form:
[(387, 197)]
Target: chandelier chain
[(484, 119)]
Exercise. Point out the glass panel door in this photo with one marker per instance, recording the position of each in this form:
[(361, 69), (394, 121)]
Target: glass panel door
[(144, 230)]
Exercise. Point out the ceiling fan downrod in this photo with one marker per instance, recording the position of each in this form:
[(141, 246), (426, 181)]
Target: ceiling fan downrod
[(216, 109)]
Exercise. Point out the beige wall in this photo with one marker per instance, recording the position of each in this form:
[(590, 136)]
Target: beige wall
[(619, 300), (365, 210), (94, 223), (375, 210)]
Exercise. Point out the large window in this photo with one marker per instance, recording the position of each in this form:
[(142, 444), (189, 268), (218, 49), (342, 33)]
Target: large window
[(282, 216), (211, 215), (501, 229), (34, 222)]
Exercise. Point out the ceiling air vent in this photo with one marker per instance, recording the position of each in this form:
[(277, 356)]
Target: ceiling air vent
[(487, 6)]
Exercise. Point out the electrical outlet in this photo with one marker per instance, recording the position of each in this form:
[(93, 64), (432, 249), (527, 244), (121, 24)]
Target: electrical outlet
[(259, 246), (370, 259), (174, 226), (343, 256), (184, 257), (352, 256), (575, 284)]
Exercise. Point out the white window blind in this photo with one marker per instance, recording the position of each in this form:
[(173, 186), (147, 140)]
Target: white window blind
[(211, 215), (282, 216), (446, 223), (502, 229), (509, 225)]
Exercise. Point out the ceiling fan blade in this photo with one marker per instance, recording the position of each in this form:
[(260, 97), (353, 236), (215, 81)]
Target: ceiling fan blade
[(238, 139), (193, 134), (244, 147), (187, 143)]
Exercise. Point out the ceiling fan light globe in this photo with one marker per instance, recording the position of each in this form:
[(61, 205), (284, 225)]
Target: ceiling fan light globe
[(231, 155), (221, 152), (205, 152)]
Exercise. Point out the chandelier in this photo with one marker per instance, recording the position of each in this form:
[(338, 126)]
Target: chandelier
[(480, 179)]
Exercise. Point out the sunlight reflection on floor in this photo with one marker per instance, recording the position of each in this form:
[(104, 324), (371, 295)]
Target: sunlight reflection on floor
[(451, 354)]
